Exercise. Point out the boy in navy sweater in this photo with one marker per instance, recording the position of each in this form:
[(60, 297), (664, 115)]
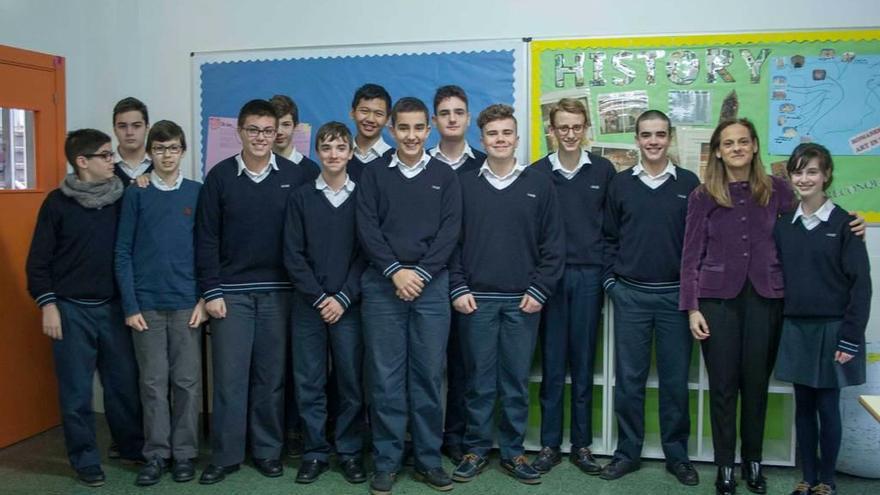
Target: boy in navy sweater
[(509, 209), (408, 219), (452, 120), (131, 122), (325, 264), (644, 230), (241, 275), (70, 275), (571, 317), (155, 271), (369, 111), (288, 119)]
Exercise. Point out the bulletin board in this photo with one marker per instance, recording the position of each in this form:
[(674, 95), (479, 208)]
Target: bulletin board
[(822, 87), (322, 81)]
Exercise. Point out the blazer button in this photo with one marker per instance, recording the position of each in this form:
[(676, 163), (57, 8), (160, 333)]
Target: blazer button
[(745, 255)]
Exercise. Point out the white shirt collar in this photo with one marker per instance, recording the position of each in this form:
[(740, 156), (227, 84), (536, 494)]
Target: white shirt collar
[(515, 171), (437, 153), (670, 169), (376, 150), (257, 176), (134, 172), (568, 174), (321, 184), (157, 182), (823, 213), (412, 171), (295, 156)]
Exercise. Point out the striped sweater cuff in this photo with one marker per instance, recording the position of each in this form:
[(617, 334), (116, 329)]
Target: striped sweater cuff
[(537, 294), (47, 298), (211, 294), (319, 300), (847, 347), (343, 299), (392, 269), (608, 283), (459, 291), (423, 273)]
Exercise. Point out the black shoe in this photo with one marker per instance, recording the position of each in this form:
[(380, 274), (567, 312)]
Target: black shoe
[(270, 468), (453, 452), (546, 459), (353, 470), (584, 460), (152, 472), (724, 482), (92, 476), (310, 471), (215, 474), (802, 488), (469, 467), (755, 481), (183, 470), (382, 483), (685, 473), (436, 478), (113, 451), (521, 470), (617, 468)]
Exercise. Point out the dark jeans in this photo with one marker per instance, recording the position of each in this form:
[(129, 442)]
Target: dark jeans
[(640, 317), (311, 339), (248, 349), (498, 341), (405, 353), (739, 356), (95, 337), (568, 341), (817, 419)]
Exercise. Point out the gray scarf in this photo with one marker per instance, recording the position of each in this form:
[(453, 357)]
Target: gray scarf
[(92, 195)]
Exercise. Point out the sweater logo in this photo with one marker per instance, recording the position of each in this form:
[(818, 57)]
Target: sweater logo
[(594, 186), (437, 188), (285, 186), (682, 196), (831, 235), (187, 211), (531, 195)]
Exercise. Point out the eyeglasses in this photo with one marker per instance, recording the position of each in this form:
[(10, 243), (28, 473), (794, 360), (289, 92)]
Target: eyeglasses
[(253, 132), (173, 149), (106, 155), (565, 129)]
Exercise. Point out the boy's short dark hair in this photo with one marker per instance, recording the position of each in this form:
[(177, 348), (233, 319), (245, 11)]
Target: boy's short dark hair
[(653, 115), (131, 104), (332, 130), (449, 91), (371, 91), (163, 131), (409, 104), (83, 142), (284, 105), (804, 153), (498, 111), (258, 108)]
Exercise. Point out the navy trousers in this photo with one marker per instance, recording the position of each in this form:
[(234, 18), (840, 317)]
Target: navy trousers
[(456, 412), (95, 337), (405, 344), (248, 350), (568, 342), (639, 318), (310, 340), (498, 341)]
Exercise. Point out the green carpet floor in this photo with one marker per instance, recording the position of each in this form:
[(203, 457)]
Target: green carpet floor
[(39, 466)]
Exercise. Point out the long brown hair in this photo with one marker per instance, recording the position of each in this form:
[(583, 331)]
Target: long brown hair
[(716, 181)]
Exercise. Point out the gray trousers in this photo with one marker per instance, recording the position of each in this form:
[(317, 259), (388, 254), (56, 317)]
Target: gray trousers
[(169, 356)]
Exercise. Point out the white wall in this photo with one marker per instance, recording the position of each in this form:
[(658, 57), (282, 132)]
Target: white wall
[(117, 48)]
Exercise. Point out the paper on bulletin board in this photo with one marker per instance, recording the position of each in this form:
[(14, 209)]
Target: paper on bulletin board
[(222, 141)]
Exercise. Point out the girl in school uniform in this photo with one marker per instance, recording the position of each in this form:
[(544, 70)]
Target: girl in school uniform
[(827, 301)]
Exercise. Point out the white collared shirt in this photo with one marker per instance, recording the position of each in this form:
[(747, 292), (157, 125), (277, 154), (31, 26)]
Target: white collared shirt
[(295, 156), (134, 172), (335, 198), (497, 181), (454, 163), (375, 151), (568, 174), (159, 184), (813, 220), (256, 176), (407, 171), (655, 181)]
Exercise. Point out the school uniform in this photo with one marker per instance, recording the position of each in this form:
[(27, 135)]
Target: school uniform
[(407, 217), (311, 166), (323, 259), (155, 272), (379, 153), (456, 413), (515, 217), (644, 228), (730, 271), (239, 258), (127, 174), (70, 264), (570, 320)]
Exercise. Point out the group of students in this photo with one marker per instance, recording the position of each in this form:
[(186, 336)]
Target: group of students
[(410, 266)]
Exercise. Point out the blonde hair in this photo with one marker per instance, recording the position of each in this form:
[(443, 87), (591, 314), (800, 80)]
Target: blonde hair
[(716, 180)]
